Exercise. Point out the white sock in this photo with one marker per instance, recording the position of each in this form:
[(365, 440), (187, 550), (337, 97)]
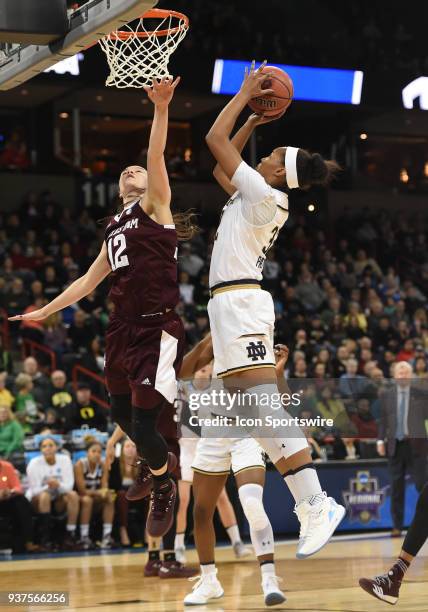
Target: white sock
[(84, 530), (306, 484), (268, 569), (71, 528), (107, 529), (233, 533), (179, 541), (208, 569), (292, 486)]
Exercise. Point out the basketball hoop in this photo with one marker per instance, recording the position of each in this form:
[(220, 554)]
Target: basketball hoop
[(136, 55)]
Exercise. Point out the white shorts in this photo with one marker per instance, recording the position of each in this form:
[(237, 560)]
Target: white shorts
[(242, 325), (187, 456), (218, 455)]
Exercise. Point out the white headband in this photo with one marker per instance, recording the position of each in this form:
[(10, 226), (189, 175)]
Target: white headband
[(291, 167)]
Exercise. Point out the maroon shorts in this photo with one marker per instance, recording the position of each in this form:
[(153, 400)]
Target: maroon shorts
[(143, 357)]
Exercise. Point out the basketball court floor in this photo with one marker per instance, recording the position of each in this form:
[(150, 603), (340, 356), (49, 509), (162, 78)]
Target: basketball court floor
[(327, 582)]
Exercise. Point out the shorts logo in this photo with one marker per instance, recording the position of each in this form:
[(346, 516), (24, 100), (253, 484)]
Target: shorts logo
[(146, 381), (256, 350)]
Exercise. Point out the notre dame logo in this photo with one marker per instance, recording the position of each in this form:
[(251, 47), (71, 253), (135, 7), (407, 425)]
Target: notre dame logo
[(256, 350)]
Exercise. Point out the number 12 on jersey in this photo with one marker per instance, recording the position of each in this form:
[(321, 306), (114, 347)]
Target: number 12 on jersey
[(115, 247)]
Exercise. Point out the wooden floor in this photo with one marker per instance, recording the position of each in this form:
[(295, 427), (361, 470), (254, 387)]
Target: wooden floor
[(326, 582)]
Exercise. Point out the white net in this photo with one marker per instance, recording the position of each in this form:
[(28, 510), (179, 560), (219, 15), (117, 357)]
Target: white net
[(136, 54)]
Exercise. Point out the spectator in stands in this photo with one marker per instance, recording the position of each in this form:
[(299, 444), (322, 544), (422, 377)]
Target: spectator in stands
[(91, 476), (50, 422), (351, 384), (189, 261), (364, 420), (15, 506), (51, 482), (421, 369), (55, 334), (60, 392), (11, 433), (362, 262), (80, 333), (6, 361), (186, 288), (6, 397), (83, 411), (14, 155), (309, 293), (15, 300), (40, 380), (25, 404)]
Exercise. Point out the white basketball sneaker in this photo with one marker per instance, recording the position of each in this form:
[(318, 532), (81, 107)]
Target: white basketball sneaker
[(180, 554), (208, 587), (271, 591), (319, 518), (241, 550)]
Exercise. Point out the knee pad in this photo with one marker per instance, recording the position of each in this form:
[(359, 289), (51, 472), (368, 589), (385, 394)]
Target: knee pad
[(251, 496)]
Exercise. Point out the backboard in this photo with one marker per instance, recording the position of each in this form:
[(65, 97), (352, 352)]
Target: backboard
[(19, 63)]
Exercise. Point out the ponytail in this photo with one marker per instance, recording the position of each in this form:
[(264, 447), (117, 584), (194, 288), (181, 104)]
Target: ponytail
[(312, 169)]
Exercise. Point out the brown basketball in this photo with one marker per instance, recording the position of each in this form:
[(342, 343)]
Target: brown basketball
[(276, 103)]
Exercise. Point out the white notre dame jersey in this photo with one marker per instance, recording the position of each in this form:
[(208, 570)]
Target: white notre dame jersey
[(249, 225)]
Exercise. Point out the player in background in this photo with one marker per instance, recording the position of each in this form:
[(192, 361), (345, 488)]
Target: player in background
[(241, 314), (188, 441), (145, 336), (214, 459), (387, 586)]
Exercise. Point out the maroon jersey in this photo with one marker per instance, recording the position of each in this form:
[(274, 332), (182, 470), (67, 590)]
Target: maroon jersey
[(143, 258)]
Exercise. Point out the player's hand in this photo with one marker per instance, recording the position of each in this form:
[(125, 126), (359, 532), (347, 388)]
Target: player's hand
[(161, 91), (261, 119), (281, 354), (34, 315), (252, 85), (53, 483)]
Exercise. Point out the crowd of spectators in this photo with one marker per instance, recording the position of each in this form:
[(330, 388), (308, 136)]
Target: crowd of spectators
[(350, 302), (296, 33)]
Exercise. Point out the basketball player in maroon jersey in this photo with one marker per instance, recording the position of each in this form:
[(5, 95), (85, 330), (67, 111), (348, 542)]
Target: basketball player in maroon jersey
[(145, 337)]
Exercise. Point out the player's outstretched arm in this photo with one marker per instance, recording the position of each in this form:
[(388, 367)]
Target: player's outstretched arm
[(239, 141), (75, 292), (158, 189), (218, 138), (200, 356)]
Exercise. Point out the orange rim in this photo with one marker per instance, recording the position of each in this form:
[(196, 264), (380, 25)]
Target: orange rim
[(156, 14)]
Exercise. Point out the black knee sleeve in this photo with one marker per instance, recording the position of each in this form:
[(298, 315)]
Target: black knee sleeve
[(150, 444), (418, 530), (121, 413)]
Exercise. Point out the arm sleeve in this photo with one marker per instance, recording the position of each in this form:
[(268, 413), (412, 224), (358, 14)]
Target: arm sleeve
[(67, 483), (259, 200)]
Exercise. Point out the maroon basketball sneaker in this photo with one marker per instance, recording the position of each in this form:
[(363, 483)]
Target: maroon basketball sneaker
[(144, 481), (161, 512), (152, 568), (175, 569), (386, 587)]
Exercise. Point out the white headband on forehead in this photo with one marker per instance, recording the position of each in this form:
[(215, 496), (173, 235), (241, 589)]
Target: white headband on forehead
[(291, 167)]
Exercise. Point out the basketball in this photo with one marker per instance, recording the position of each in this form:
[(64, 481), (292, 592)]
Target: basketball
[(276, 103)]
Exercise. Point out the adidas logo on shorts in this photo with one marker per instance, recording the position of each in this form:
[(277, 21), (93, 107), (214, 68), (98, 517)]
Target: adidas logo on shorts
[(146, 381)]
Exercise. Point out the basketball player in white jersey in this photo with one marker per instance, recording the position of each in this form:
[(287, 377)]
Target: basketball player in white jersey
[(188, 442), (214, 459), (241, 314)]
